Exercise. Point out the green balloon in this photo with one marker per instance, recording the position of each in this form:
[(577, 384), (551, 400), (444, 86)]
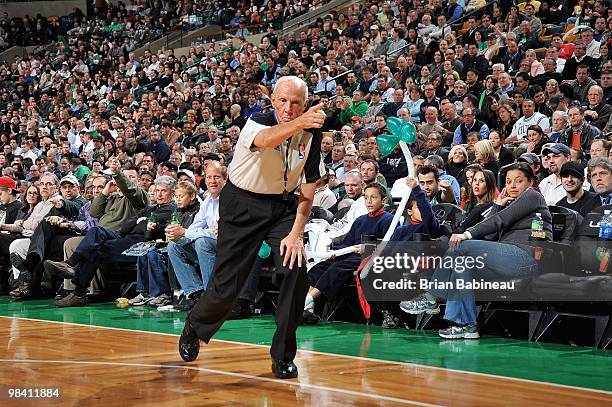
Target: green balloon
[(395, 124), (264, 250), (386, 143), (408, 133)]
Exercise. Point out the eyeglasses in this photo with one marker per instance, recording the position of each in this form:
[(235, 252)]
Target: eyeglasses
[(32, 193)]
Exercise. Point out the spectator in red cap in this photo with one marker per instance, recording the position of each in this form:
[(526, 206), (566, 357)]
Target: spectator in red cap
[(9, 205)]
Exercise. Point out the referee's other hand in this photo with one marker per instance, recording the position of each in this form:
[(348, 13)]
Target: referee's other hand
[(314, 117)]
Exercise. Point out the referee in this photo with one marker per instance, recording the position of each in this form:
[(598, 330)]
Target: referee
[(277, 153)]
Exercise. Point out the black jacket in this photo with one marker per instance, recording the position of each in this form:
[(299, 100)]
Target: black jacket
[(186, 215), (11, 210), (163, 213)]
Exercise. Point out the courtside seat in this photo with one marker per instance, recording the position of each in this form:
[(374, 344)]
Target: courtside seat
[(576, 297), (120, 279), (565, 286), (318, 212), (448, 215), (565, 223)]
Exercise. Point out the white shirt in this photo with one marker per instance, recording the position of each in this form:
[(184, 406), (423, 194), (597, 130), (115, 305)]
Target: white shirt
[(593, 49), (203, 222), (342, 226), (522, 124)]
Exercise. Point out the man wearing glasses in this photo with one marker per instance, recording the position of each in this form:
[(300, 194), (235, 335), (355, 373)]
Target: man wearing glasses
[(429, 99)]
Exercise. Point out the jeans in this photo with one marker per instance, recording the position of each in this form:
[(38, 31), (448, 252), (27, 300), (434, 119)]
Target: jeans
[(501, 260), (100, 246), (151, 276), (202, 252)]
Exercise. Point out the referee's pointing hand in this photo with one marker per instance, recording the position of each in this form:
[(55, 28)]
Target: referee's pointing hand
[(314, 117)]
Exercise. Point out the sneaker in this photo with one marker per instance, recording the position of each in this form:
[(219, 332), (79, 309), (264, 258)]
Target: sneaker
[(310, 318), (420, 305), (160, 300), (390, 320), (140, 299), (243, 309), (469, 331)]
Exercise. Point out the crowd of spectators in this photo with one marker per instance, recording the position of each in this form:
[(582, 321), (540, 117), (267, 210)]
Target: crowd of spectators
[(486, 85)]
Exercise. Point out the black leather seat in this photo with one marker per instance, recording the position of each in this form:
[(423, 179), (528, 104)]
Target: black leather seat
[(318, 212)]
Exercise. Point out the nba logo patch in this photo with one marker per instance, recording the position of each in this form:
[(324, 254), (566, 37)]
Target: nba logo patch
[(301, 151)]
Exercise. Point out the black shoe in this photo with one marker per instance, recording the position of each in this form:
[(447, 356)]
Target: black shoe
[(310, 318), (18, 262), (242, 310), (60, 268), (189, 343), (188, 302), (284, 370)]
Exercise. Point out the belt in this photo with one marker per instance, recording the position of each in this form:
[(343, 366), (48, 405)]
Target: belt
[(270, 197)]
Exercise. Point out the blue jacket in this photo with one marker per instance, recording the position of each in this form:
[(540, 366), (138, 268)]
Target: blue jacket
[(428, 225), (366, 225)]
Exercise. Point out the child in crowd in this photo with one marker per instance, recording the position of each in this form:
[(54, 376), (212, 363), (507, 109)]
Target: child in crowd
[(329, 277)]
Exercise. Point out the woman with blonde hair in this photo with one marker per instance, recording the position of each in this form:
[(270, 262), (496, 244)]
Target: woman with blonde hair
[(485, 156), (536, 66), (552, 89), (457, 161)]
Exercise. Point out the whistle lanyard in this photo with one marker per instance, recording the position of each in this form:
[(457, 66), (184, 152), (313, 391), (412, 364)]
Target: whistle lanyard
[(285, 177)]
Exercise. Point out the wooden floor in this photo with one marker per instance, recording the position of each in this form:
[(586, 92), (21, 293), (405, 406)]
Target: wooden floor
[(113, 367)]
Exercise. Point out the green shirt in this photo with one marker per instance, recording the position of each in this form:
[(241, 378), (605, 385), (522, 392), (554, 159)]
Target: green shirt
[(358, 109)]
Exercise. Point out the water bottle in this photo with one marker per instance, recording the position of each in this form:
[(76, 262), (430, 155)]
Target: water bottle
[(537, 227), (605, 228), (152, 218), (608, 216), (605, 233), (174, 220), (537, 234)]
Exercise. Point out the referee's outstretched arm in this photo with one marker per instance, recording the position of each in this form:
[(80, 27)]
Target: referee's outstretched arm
[(275, 135)]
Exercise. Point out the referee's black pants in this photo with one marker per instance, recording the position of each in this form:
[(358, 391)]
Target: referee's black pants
[(245, 221)]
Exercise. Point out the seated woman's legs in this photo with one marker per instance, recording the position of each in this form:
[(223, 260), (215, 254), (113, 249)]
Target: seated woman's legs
[(496, 260)]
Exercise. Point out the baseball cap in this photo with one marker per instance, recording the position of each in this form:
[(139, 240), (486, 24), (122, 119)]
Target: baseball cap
[(572, 167), (529, 158), (556, 148), (188, 173), (374, 27), (6, 182), (356, 118), (170, 165), (71, 179)]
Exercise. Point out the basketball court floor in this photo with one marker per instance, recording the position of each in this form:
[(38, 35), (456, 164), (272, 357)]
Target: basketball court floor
[(104, 355)]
